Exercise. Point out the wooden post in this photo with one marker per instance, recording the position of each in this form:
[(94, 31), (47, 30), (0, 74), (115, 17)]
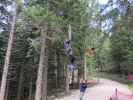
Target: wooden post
[(116, 91)]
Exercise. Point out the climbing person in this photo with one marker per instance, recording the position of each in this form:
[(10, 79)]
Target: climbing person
[(83, 87), (69, 53), (67, 44), (72, 59)]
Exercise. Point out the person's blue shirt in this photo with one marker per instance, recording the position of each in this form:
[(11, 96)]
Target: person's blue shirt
[(83, 87)]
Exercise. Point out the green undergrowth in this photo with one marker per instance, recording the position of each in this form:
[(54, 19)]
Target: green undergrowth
[(130, 85)]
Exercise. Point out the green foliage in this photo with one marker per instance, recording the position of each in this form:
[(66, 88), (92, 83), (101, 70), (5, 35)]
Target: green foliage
[(55, 15), (39, 15), (122, 50), (121, 34), (18, 6), (91, 66), (130, 86)]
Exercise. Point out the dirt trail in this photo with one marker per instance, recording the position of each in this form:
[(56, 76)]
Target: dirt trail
[(102, 91)]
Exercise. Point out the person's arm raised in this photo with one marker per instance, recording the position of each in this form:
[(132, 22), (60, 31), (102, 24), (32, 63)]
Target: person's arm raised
[(91, 82)]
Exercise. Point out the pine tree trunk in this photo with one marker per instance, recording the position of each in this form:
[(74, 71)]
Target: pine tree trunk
[(67, 81), (7, 60), (30, 91), (56, 64), (7, 90), (38, 93), (85, 68), (67, 70), (44, 85), (20, 84), (58, 70), (73, 76)]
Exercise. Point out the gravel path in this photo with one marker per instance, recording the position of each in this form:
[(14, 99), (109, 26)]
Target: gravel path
[(102, 91)]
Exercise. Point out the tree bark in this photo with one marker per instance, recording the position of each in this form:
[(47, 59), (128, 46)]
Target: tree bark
[(85, 68), (56, 64), (44, 85), (67, 80), (7, 59), (20, 84), (59, 74), (38, 93), (73, 76), (30, 91), (7, 90)]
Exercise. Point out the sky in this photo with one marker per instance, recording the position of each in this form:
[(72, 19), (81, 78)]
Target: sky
[(103, 1)]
